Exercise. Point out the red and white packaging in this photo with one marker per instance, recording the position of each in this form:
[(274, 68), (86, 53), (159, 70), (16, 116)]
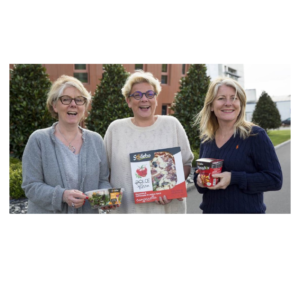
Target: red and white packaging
[(157, 173), (207, 167)]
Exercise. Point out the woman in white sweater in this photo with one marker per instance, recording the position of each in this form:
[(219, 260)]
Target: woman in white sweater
[(144, 132)]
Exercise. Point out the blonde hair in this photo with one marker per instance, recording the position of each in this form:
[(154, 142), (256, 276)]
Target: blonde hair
[(208, 121), (139, 77), (59, 86)]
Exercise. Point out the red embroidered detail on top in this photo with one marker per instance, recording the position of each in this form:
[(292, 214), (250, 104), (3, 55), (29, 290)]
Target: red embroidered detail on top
[(237, 147)]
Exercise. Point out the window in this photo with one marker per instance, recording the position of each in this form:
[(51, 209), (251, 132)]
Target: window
[(138, 66), (81, 72), (231, 73), (164, 74), (183, 69), (164, 110)]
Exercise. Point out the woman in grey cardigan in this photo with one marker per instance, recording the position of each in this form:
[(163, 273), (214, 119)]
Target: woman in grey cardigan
[(63, 161)]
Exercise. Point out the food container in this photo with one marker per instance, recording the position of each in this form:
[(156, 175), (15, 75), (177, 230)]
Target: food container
[(206, 168), (157, 173), (105, 198)]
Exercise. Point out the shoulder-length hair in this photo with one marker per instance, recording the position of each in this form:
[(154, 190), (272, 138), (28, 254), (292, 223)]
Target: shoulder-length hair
[(206, 118)]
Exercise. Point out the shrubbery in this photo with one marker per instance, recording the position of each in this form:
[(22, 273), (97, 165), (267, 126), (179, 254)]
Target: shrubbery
[(190, 100), (15, 179), (196, 156), (266, 113), (108, 102), (29, 85)]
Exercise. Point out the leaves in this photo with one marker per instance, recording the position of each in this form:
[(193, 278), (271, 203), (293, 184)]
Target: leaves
[(108, 103), (190, 99), (29, 85), (266, 114)]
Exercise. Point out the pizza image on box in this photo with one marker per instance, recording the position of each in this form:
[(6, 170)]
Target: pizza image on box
[(157, 173), (163, 171)]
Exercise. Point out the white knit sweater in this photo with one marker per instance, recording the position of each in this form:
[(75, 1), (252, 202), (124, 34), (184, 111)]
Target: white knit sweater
[(123, 137)]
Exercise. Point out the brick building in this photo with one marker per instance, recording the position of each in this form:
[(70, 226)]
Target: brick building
[(91, 74)]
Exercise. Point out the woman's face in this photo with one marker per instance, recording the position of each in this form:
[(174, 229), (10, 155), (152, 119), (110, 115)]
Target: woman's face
[(144, 108), (226, 105), (70, 113)]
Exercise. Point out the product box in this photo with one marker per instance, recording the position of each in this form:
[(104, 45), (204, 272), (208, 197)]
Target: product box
[(157, 173), (207, 167), (105, 198)]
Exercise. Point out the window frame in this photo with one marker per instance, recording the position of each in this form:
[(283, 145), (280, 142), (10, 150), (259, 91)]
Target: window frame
[(139, 69), (86, 70), (167, 74)]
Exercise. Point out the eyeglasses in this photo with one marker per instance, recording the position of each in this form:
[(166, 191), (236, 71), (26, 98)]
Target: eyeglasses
[(66, 100), (139, 95)]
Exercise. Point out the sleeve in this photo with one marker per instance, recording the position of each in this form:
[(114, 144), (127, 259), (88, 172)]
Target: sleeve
[(269, 174), (40, 193), (104, 169), (184, 144), (107, 145), (200, 189)]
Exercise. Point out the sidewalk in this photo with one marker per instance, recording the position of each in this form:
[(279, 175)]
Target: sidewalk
[(190, 180)]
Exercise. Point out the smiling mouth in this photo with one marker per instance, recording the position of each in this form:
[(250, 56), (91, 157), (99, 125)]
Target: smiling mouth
[(72, 113), (228, 111), (144, 107)]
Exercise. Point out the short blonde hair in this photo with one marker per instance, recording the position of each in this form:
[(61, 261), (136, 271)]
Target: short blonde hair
[(59, 86), (207, 119), (139, 77)]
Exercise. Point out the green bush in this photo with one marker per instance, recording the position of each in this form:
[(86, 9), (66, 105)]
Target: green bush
[(13, 160), (190, 100), (196, 156), (108, 102), (15, 178), (15, 181), (29, 85), (266, 113)]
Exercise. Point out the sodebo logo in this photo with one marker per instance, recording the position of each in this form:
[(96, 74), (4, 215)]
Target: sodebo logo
[(141, 156)]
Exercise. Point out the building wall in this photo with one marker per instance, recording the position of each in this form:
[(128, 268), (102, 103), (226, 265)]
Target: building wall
[(216, 70), (284, 108), (94, 71)]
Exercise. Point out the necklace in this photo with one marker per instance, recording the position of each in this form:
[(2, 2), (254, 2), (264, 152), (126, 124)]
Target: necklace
[(71, 147)]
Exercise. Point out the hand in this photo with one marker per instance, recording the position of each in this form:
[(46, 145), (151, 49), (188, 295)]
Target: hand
[(224, 182), (74, 198), (163, 200), (199, 182)]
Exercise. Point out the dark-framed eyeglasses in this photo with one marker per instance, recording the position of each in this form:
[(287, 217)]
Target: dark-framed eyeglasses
[(139, 95), (66, 100)]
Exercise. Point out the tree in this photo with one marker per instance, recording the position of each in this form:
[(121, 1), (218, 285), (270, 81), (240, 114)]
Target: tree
[(266, 114), (29, 85), (190, 100), (108, 103)]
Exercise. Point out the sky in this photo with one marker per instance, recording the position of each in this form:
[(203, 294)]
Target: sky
[(274, 79)]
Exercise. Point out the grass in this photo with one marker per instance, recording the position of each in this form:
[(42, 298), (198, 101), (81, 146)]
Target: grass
[(279, 136)]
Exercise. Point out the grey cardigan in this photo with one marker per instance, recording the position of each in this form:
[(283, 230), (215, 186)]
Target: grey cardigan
[(44, 179)]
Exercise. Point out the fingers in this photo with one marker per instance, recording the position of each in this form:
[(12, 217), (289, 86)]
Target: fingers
[(163, 200), (74, 198), (199, 181)]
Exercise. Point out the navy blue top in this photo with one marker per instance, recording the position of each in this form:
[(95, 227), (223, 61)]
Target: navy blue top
[(254, 168)]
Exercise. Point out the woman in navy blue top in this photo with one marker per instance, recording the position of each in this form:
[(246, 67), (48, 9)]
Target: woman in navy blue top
[(250, 165)]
